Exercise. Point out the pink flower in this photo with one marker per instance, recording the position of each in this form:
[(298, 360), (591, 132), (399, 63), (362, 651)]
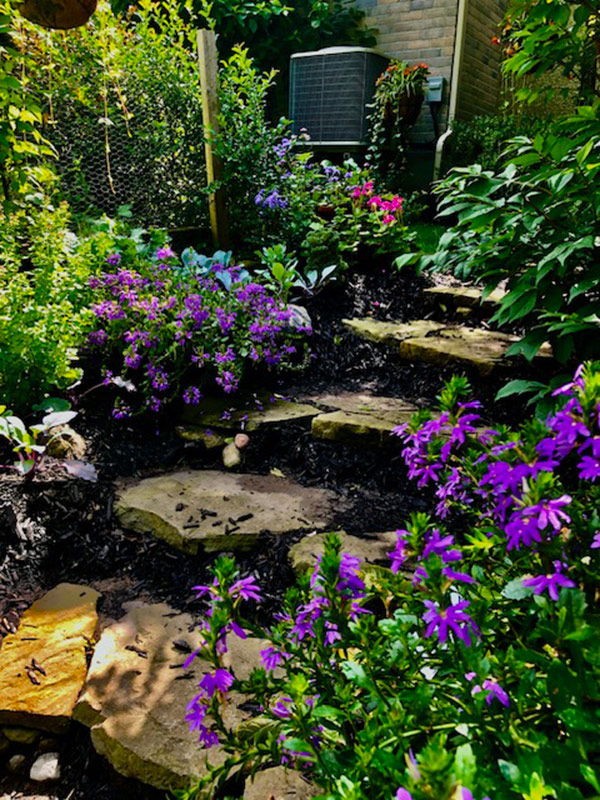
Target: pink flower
[(367, 188), (389, 218), (376, 201)]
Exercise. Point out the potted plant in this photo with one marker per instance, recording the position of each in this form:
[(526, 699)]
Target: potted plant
[(400, 90)]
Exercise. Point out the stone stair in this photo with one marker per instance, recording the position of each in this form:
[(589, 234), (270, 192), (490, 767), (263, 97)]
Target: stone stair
[(442, 345)]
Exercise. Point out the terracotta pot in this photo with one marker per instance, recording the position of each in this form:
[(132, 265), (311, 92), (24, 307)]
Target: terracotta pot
[(58, 14)]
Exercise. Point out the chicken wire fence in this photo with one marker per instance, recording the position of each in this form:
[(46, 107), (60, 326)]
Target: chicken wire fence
[(151, 159)]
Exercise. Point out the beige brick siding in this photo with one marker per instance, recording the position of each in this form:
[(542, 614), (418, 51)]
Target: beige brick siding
[(480, 84), (417, 30), (425, 30)]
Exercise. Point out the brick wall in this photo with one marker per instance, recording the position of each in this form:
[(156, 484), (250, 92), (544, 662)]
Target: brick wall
[(417, 30), (480, 83)]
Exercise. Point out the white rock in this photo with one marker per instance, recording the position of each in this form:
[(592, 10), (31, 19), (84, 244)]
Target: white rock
[(45, 768), (16, 763)]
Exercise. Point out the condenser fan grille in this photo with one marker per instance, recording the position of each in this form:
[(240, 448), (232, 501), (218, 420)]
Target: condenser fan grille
[(330, 90)]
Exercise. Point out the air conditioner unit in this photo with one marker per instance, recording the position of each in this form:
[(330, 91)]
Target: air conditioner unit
[(329, 93)]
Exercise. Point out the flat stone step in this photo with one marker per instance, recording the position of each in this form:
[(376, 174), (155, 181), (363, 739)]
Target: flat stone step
[(465, 296), (279, 783), (217, 511), (370, 548), (136, 696), (436, 343), (218, 416), (360, 418), (43, 665)]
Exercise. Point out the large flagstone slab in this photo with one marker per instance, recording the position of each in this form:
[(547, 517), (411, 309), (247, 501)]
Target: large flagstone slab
[(360, 418), (218, 511), (137, 693), (43, 665)]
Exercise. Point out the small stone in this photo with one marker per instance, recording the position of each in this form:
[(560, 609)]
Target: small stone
[(16, 763), (45, 768), (66, 443), (241, 440), (210, 439), (231, 456), (21, 735), (279, 783), (267, 411), (468, 296)]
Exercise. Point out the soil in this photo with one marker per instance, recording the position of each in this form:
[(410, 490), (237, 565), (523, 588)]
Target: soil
[(55, 528)]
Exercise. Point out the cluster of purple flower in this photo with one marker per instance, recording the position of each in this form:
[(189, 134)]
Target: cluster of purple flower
[(509, 481), (169, 327)]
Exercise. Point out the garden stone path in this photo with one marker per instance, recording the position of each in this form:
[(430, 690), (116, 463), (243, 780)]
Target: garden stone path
[(279, 783), (359, 418), (369, 548), (440, 344), (137, 693), (212, 419), (219, 511), (464, 296), (43, 665)]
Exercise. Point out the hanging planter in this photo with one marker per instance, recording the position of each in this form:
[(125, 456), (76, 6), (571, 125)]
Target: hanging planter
[(406, 109), (58, 14)]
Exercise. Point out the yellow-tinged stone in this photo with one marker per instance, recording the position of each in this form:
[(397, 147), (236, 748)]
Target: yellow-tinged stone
[(43, 665), (369, 548), (279, 783)]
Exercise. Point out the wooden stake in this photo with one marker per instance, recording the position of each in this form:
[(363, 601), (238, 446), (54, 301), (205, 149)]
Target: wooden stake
[(208, 63)]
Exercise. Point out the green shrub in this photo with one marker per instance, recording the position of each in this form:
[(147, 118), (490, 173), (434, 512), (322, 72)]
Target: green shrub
[(482, 140), (535, 224), (44, 272), (471, 668)]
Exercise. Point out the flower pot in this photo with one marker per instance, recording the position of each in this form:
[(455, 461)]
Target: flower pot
[(406, 109), (58, 14)]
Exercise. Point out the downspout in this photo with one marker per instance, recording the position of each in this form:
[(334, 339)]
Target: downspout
[(457, 62)]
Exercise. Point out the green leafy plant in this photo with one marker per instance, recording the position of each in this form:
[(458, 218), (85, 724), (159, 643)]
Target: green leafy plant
[(536, 225), (31, 444), (44, 302), (467, 669), (24, 153)]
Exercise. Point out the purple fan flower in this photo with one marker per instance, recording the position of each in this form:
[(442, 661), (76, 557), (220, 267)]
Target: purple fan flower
[(452, 618), (596, 541), (221, 681), (246, 588), (589, 468), (457, 576), (403, 794), (271, 658), (398, 555), (550, 512), (551, 582)]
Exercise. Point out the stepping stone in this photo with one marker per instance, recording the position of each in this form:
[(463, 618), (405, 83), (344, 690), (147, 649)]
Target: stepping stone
[(218, 511), (434, 343), (279, 783), (369, 548), (360, 418), (217, 416), (136, 696), (43, 665), (465, 296)]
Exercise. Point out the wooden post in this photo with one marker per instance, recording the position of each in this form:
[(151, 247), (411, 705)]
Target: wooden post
[(208, 62)]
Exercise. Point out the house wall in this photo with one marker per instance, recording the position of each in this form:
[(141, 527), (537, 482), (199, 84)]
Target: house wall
[(414, 31), (480, 86)]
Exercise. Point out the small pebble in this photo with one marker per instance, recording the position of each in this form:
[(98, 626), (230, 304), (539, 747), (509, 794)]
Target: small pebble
[(241, 440), (231, 456), (16, 763), (45, 768)]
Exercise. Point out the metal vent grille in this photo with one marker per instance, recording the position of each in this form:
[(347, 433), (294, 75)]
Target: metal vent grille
[(330, 90)]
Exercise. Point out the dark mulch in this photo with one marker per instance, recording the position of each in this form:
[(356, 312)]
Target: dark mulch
[(56, 528)]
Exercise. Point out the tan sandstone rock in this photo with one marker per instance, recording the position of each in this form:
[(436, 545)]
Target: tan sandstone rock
[(279, 783), (43, 665), (220, 511), (136, 696), (370, 548)]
